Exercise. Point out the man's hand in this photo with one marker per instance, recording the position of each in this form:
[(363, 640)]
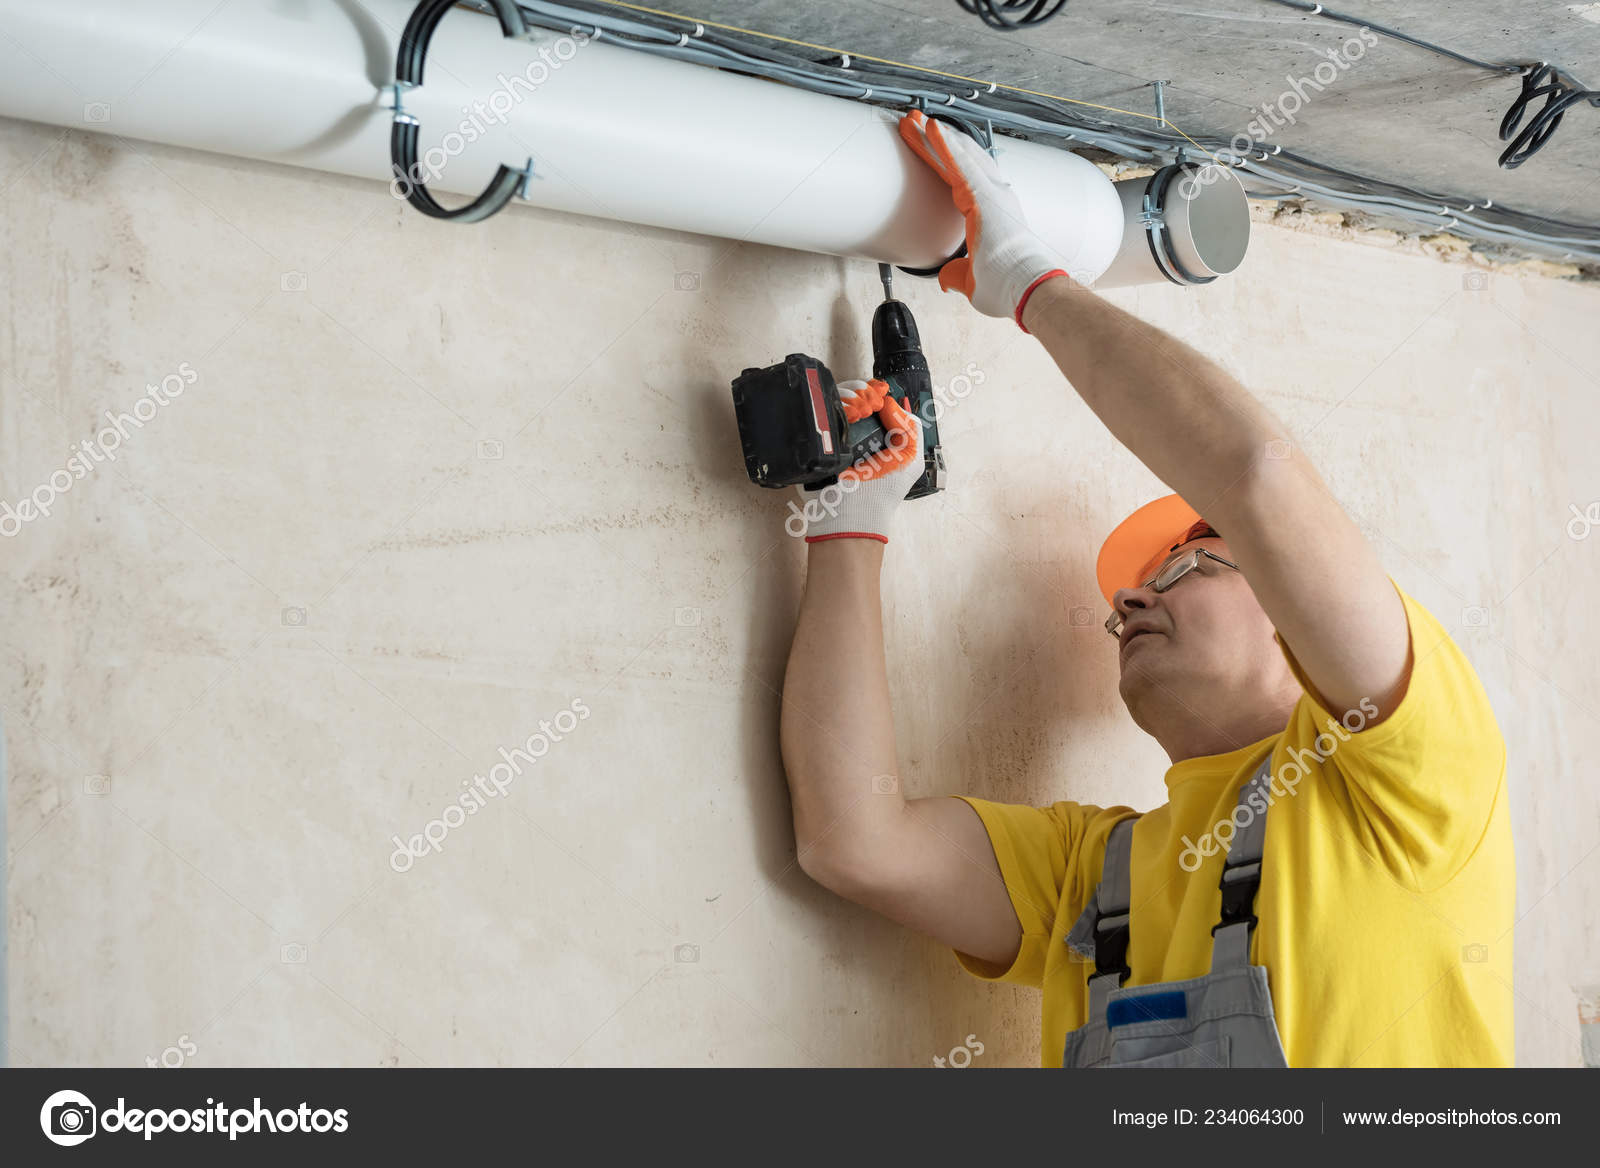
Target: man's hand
[(1005, 260), (862, 504)]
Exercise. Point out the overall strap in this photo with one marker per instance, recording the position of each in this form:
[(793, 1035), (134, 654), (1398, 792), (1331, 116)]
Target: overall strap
[(1241, 872), (1112, 898)]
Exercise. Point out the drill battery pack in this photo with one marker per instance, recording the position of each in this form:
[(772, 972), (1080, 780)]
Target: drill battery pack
[(792, 428)]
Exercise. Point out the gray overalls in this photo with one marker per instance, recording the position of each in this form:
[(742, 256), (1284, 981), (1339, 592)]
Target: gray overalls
[(1223, 1019)]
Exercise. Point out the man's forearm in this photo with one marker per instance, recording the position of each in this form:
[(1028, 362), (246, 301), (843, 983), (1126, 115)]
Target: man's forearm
[(1186, 419), (837, 727)]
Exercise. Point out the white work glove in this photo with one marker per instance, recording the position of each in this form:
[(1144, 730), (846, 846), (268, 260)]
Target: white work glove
[(861, 505), (1005, 260)]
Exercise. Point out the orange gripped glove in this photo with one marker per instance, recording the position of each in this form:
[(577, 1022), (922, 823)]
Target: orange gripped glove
[(1006, 260), (861, 505)]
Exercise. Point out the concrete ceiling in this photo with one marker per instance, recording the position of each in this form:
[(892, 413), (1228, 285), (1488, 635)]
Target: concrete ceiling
[(1400, 113)]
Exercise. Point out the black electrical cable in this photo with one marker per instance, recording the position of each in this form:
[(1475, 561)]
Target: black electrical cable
[(408, 67), (993, 12), (1559, 95), (1560, 91), (1346, 18), (1023, 115)]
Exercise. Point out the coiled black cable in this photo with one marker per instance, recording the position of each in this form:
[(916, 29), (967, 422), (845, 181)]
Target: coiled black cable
[(1543, 80), (1560, 94), (983, 108), (993, 12)]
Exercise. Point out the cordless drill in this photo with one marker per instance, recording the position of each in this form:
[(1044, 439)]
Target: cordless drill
[(791, 420)]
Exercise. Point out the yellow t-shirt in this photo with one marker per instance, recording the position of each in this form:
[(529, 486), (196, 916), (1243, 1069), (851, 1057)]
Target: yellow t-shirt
[(1388, 886)]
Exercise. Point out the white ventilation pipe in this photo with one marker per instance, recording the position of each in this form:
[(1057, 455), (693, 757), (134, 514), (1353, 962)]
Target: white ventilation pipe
[(1205, 227), (612, 132)]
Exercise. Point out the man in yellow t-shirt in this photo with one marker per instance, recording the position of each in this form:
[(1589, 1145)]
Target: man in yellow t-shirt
[(1387, 892), (1368, 862)]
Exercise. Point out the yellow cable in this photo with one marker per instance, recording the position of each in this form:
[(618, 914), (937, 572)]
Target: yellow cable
[(864, 57), (902, 65)]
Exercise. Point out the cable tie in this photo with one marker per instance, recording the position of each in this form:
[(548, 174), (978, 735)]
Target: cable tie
[(845, 64), (699, 30), (683, 39), (1454, 222), (974, 95), (949, 99), (1265, 156), (991, 87), (1277, 149), (1317, 11), (1487, 203), (866, 95)]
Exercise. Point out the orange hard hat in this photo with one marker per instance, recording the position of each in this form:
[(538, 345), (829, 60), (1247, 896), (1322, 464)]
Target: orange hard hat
[(1153, 530)]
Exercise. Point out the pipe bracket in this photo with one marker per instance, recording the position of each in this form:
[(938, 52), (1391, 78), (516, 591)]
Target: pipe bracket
[(1152, 214), (408, 68)]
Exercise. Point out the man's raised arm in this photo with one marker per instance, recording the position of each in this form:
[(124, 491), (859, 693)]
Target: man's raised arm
[(928, 863), (1310, 567)]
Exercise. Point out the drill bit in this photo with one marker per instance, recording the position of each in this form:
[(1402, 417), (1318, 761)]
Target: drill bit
[(886, 274)]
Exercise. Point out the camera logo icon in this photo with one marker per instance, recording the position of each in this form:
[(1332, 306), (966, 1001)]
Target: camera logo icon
[(1475, 953), (885, 784), (67, 1118), (491, 448), (686, 617), (1081, 616), (686, 281), (1586, 521), (97, 785), (292, 954), (1277, 448), (1475, 281), (686, 954), (1474, 617), (292, 282), (294, 618), (96, 111)]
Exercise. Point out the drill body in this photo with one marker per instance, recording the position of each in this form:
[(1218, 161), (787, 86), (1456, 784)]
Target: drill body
[(897, 359), (791, 420)]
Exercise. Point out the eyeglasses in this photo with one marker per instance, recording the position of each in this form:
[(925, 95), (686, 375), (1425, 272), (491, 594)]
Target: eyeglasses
[(1171, 572)]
